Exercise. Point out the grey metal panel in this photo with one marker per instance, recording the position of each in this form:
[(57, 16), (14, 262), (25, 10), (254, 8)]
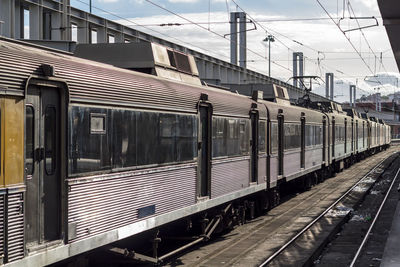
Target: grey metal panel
[(262, 169), (101, 205), (15, 226), (92, 81), (228, 176)]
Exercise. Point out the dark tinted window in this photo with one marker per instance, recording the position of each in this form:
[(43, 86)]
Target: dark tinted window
[(186, 137), (136, 138), (166, 139), (30, 137), (274, 137), (244, 135), (318, 135), (50, 139), (171, 58), (219, 137), (231, 137), (262, 128), (147, 137), (232, 141), (88, 151), (339, 133), (182, 62), (280, 92), (124, 138), (292, 135), (309, 138)]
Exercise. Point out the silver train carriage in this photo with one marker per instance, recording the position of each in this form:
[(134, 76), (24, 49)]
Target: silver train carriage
[(92, 154)]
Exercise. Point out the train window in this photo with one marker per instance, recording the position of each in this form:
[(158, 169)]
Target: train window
[(186, 137), (147, 138), (166, 139), (219, 137), (274, 137), (182, 62), (244, 136), (87, 152), (261, 136), (318, 135), (292, 136), (232, 142), (230, 137), (310, 135), (30, 137), (50, 139), (138, 139), (124, 138), (339, 133)]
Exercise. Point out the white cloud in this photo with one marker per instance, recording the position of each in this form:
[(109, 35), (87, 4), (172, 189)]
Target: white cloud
[(108, 1)]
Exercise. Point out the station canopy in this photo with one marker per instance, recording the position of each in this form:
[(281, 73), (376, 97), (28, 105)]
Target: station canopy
[(390, 11)]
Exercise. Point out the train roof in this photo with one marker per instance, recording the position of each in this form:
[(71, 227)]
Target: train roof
[(99, 83), (291, 112)]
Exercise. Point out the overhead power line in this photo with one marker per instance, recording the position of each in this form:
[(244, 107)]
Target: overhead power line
[(348, 39), (213, 32)]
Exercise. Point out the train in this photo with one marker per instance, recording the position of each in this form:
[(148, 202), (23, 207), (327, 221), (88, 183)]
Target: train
[(92, 154)]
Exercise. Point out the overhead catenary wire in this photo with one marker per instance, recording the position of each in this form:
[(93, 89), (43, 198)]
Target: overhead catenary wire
[(365, 38), (225, 56), (213, 32)]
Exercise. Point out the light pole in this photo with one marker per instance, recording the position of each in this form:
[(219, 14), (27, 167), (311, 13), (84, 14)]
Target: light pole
[(269, 39)]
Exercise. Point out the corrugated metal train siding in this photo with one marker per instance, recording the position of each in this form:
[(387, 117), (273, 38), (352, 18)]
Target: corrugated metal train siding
[(229, 176), (15, 226), (262, 169), (102, 205), (98, 82)]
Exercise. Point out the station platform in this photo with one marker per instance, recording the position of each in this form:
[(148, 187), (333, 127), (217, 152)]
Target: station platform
[(391, 254)]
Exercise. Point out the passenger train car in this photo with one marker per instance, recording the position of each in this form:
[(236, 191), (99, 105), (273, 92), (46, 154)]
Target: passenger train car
[(92, 154)]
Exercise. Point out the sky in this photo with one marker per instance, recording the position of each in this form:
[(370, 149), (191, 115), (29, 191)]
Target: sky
[(325, 47)]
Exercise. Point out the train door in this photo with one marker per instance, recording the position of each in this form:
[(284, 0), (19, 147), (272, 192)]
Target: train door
[(254, 146), (43, 168), (205, 150), (303, 142), (281, 136)]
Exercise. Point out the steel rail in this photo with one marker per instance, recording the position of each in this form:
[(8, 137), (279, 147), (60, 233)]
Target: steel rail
[(374, 221), (308, 226)]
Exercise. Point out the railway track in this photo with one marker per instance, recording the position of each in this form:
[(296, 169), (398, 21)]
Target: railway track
[(367, 235), (301, 251), (265, 240)]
